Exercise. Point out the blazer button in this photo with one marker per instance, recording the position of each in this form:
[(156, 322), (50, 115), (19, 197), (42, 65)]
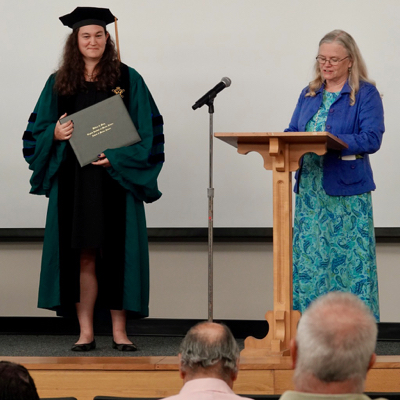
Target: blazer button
[(328, 127), (331, 110), (353, 166)]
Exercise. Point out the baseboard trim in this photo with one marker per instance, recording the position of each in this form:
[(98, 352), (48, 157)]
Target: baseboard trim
[(152, 327), (383, 235)]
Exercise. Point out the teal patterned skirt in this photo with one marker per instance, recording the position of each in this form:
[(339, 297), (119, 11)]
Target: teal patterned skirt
[(333, 242)]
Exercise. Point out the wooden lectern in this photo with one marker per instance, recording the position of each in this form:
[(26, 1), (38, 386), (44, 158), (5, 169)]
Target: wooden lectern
[(281, 152)]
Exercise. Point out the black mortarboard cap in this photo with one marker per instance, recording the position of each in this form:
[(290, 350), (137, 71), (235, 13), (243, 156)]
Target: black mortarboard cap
[(83, 16)]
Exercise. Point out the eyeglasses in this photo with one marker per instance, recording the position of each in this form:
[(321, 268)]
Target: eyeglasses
[(332, 61)]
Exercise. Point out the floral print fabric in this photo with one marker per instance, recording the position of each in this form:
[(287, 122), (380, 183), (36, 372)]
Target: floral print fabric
[(333, 237)]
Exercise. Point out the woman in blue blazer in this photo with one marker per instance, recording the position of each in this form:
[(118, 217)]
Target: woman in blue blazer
[(333, 240)]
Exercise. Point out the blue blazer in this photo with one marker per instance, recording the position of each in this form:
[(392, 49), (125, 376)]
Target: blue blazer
[(361, 126)]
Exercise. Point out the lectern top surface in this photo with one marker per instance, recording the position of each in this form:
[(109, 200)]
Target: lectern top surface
[(233, 138)]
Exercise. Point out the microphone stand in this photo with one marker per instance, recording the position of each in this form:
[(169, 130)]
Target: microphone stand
[(208, 99), (210, 195)]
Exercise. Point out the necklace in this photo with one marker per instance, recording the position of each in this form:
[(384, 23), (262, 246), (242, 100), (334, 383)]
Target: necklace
[(90, 77)]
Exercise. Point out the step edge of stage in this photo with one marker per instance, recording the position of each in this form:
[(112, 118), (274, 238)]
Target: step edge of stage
[(162, 363)]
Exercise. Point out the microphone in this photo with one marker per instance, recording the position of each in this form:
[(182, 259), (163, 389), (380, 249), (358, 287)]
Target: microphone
[(225, 82)]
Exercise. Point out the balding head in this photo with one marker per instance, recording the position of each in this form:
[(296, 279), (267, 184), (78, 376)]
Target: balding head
[(335, 343), (209, 350)]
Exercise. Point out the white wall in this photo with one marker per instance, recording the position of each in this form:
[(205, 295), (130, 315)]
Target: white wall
[(183, 48), (242, 280)]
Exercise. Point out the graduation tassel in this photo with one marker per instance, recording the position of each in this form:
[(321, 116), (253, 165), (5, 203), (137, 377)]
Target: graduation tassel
[(116, 38)]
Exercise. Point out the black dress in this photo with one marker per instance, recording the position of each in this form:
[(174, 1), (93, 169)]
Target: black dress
[(91, 214)]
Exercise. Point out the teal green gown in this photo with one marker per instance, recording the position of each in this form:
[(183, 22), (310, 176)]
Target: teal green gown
[(135, 168), (333, 236)]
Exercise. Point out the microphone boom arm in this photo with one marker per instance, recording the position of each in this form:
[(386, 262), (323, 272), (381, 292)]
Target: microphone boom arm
[(211, 94)]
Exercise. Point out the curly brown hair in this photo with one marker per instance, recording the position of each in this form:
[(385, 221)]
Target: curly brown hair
[(70, 76)]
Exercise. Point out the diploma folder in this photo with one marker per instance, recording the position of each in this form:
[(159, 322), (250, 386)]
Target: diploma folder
[(105, 125)]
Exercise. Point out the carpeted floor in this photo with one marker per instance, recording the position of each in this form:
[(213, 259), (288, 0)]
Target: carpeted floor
[(59, 346)]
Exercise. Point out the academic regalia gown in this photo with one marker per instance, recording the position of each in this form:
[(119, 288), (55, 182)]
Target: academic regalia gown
[(122, 262)]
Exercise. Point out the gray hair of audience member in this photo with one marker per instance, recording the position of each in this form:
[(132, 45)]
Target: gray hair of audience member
[(201, 350), (336, 338), (16, 382)]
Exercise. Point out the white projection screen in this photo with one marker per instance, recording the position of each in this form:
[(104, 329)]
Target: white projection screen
[(183, 48)]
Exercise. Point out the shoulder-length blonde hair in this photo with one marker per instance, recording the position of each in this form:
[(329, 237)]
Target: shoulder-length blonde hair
[(358, 72)]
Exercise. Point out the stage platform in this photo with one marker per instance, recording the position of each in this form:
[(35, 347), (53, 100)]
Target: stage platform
[(157, 376)]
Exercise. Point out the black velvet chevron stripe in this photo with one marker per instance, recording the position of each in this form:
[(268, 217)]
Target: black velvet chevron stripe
[(28, 136), (156, 158), (32, 117), (28, 151), (159, 139), (158, 120)]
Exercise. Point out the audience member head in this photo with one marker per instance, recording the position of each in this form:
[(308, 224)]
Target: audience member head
[(16, 383), (209, 350), (334, 346)]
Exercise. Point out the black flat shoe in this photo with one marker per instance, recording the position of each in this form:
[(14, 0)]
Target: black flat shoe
[(84, 346), (124, 346)]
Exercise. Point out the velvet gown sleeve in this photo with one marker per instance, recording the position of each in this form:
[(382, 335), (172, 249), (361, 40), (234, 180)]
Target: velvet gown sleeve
[(42, 153), (136, 167)]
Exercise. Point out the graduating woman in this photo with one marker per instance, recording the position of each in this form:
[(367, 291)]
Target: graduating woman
[(95, 249)]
